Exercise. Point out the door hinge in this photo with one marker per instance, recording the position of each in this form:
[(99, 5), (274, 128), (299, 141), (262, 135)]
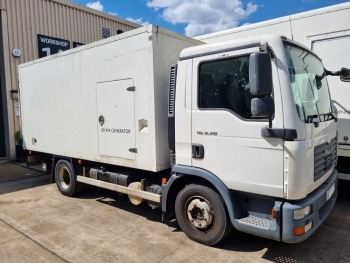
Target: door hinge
[(132, 88), (133, 150)]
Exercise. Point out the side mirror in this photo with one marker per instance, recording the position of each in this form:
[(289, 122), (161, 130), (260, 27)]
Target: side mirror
[(263, 107), (345, 74), (260, 74), (260, 83)]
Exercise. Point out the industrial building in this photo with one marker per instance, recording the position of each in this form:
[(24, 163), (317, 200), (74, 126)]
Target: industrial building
[(31, 29)]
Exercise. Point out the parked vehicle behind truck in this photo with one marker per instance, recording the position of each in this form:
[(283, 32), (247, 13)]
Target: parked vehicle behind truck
[(326, 31), (243, 136)]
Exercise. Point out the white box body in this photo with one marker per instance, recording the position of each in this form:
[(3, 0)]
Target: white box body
[(104, 102)]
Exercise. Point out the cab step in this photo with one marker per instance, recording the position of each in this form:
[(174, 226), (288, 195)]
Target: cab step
[(254, 221)]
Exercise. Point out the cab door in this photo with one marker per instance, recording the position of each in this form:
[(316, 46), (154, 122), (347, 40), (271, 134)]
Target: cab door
[(226, 139)]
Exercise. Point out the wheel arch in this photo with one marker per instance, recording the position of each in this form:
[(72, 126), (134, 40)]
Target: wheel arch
[(182, 175)]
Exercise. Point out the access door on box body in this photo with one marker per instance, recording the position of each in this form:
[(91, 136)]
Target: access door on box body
[(116, 118)]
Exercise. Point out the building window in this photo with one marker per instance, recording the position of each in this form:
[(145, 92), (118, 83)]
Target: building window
[(224, 84), (106, 32)]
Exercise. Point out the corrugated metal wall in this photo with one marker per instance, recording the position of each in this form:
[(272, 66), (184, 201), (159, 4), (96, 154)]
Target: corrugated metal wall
[(61, 19), (22, 20)]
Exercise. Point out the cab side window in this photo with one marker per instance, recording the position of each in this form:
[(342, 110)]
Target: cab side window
[(224, 84)]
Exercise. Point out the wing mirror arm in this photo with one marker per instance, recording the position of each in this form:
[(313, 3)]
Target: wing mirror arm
[(344, 74)]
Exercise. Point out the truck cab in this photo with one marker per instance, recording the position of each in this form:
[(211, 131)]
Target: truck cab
[(248, 126), (253, 119)]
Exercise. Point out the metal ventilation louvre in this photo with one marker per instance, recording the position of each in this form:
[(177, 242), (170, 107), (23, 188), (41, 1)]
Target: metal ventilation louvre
[(171, 108), (172, 89), (106, 32)]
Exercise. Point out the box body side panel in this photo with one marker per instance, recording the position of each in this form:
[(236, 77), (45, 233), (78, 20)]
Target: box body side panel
[(62, 98)]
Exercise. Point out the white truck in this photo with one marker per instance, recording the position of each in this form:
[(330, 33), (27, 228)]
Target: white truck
[(238, 134), (326, 31)]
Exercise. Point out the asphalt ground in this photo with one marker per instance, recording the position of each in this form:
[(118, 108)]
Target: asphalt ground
[(38, 224)]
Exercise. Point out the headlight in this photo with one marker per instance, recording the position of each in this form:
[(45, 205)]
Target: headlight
[(302, 213)]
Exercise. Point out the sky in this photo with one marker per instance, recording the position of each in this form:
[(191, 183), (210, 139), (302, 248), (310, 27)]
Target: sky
[(199, 17)]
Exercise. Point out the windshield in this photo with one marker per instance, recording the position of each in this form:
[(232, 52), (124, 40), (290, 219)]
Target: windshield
[(309, 85)]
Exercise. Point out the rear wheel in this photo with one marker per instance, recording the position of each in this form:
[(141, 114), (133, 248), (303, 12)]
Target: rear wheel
[(66, 179), (202, 215)]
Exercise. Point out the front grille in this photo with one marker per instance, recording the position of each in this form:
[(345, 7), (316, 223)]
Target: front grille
[(325, 157)]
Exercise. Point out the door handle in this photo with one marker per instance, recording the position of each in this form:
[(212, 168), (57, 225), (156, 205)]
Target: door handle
[(197, 151)]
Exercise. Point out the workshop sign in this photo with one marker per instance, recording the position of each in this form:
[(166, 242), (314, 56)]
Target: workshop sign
[(50, 45)]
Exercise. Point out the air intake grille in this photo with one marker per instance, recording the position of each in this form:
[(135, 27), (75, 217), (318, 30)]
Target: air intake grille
[(171, 108), (325, 158), (172, 86)]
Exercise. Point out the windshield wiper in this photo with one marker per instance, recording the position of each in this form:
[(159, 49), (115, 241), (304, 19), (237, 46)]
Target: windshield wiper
[(310, 118), (326, 117), (331, 116)]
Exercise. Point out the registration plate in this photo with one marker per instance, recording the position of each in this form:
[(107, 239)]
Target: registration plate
[(330, 192)]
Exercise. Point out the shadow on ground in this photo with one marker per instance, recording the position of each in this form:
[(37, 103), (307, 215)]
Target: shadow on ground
[(13, 174)]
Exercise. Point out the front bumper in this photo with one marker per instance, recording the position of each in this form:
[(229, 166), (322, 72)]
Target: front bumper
[(320, 209)]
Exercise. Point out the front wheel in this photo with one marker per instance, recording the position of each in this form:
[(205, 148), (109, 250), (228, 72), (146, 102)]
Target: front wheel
[(202, 215)]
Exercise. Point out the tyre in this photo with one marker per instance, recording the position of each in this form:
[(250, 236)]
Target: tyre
[(66, 179), (202, 215)]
